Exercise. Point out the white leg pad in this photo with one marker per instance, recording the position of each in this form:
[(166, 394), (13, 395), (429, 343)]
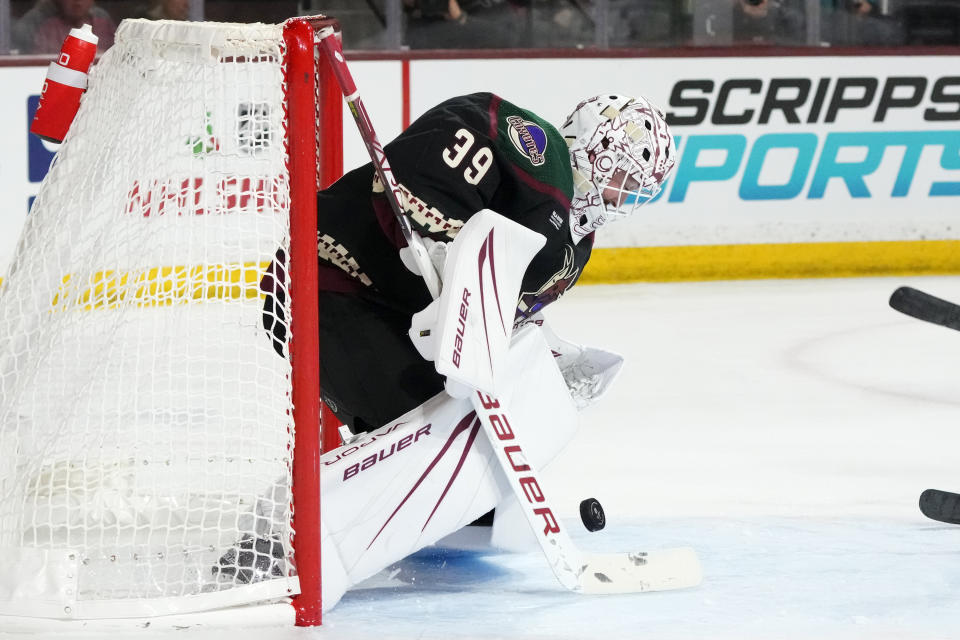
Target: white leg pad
[(432, 471)]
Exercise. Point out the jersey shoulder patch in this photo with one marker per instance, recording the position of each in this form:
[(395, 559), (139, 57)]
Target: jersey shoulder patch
[(528, 137), (534, 145)]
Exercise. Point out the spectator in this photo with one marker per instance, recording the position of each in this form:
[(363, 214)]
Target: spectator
[(435, 10), (863, 7), (166, 10), (44, 27), (930, 23), (858, 23), (644, 23), (767, 22), (451, 24)]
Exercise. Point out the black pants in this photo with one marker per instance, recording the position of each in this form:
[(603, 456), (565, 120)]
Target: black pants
[(370, 372)]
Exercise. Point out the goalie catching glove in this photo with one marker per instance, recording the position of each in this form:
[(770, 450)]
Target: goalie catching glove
[(587, 371)]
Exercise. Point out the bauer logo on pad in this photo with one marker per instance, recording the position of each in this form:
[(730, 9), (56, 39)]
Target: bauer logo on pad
[(529, 138)]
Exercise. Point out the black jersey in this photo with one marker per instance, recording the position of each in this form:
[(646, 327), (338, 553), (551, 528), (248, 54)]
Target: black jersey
[(466, 154)]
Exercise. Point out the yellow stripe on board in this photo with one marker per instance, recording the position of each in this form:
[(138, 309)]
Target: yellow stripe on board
[(160, 286), (172, 285), (756, 261)]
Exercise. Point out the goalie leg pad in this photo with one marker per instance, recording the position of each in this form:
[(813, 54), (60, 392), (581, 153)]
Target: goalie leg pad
[(432, 471)]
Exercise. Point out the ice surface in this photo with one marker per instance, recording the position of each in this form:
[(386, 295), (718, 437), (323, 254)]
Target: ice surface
[(785, 429)]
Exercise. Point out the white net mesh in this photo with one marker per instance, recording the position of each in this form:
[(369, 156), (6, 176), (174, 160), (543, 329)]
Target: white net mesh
[(145, 424)]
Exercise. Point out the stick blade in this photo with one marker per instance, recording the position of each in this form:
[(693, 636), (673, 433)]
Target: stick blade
[(923, 306), (942, 506), (604, 573)]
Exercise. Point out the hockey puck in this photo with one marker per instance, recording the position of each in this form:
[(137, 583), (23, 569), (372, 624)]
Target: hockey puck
[(591, 512)]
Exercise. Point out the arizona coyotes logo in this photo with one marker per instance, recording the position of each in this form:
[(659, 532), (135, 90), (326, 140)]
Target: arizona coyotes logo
[(554, 287), (529, 138)]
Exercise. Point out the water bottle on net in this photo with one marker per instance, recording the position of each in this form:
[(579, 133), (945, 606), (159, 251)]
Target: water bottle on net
[(64, 85)]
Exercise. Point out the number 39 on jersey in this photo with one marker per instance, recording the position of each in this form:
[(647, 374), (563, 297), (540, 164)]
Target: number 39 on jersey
[(480, 159)]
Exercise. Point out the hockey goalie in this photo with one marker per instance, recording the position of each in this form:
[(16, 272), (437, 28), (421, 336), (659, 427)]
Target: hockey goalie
[(507, 207)]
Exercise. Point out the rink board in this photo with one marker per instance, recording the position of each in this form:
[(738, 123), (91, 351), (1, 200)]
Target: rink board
[(774, 151)]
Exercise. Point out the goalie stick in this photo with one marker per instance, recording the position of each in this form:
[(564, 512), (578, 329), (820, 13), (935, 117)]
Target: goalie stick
[(574, 569), (943, 506), (923, 306)]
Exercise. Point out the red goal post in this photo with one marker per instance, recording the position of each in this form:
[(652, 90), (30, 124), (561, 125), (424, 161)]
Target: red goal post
[(312, 88)]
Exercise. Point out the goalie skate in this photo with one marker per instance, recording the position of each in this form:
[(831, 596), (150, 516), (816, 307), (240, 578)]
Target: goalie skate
[(253, 559)]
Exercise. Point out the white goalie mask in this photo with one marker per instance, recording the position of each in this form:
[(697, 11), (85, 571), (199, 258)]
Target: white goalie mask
[(621, 152)]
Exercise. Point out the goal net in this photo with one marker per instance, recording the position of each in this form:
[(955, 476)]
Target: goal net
[(149, 427)]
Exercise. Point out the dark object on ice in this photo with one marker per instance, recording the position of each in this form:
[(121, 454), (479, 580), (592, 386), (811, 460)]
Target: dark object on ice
[(252, 560), (591, 512), (943, 506), (924, 306)]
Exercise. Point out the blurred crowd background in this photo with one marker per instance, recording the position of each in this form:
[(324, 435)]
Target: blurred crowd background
[(38, 26)]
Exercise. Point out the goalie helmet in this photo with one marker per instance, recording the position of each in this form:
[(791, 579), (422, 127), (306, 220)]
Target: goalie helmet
[(621, 152)]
